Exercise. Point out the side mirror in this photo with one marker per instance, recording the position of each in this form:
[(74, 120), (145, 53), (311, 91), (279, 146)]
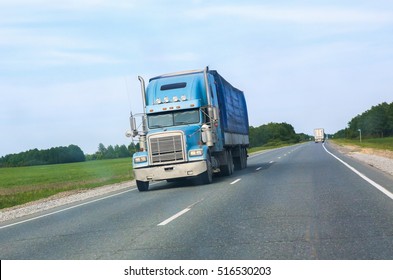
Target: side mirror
[(129, 134), (134, 130), (215, 113)]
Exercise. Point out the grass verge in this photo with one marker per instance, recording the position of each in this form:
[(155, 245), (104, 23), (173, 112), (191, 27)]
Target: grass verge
[(19, 185), (374, 143)]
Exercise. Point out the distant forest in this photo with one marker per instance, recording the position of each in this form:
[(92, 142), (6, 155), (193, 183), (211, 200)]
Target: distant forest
[(69, 154), (264, 135), (112, 152), (275, 133), (376, 122)]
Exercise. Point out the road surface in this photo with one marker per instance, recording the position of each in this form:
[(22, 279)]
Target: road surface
[(297, 202)]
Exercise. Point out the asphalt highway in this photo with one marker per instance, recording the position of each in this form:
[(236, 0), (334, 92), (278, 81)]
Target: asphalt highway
[(297, 202)]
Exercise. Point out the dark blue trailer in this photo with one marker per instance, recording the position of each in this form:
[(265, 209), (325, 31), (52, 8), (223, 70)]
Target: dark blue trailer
[(233, 110)]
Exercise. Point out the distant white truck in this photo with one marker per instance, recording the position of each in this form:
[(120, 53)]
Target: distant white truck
[(319, 135)]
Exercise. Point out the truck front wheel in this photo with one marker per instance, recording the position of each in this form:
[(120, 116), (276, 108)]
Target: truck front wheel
[(142, 186), (207, 176)]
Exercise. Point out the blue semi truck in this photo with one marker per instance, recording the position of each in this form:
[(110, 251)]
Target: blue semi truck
[(194, 124)]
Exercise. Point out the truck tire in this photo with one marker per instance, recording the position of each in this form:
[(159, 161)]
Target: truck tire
[(228, 167), (243, 158), (237, 161), (241, 161), (142, 186), (207, 176)]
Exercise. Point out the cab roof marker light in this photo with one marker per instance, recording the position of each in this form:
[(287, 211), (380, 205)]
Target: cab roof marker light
[(175, 99), (183, 98), (158, 101), (166, 99)]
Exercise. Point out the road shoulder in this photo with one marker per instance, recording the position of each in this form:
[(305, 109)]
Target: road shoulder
[(61, 199), (380, 159)]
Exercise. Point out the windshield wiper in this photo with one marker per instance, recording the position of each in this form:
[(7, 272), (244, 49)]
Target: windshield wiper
[(156, 126)]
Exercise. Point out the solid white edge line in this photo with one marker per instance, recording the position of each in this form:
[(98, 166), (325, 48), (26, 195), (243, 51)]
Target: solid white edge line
[(65, 209), (259, 168), (177, 215), (234, 182), (364, 177)]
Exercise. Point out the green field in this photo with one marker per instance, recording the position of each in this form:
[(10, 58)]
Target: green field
[(20, 185), (375, 143)]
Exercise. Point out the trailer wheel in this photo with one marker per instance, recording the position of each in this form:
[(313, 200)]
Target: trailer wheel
[(243, 158), (142, 186), (237, 161), (241, 161), (228, 168)]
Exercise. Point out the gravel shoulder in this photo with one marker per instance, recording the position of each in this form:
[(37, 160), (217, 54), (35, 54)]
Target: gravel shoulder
[(380, 159), (61, 199)]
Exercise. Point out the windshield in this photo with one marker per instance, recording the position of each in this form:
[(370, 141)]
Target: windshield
[(173, 118)]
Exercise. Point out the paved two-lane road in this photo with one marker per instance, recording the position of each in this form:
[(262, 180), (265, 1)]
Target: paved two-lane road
[(296, 202)]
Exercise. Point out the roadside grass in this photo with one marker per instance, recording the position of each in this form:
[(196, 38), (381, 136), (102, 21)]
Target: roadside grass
[(19, 185), (374, 143)]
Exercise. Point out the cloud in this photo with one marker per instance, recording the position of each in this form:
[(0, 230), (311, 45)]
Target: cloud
[(279, 54), (36, 12), (69, 4), (26, 48), (302, 15), (40, 38), (176, 57), (72, 57), (84, 113)]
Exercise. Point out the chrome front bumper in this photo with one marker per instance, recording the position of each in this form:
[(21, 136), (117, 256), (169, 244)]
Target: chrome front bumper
[(172, 171)]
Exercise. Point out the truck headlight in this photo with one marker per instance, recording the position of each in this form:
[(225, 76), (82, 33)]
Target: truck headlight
[(140, 159), (196, 153)]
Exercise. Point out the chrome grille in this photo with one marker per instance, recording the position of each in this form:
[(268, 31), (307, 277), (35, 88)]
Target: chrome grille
[(166, 148)]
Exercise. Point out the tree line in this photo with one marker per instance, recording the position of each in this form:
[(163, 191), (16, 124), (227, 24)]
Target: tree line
[(267, 134), (377, 122), (56, 155), (112, 152), (275, 133), (69, 154)]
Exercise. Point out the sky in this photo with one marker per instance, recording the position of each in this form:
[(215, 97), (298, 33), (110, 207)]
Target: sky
[(69, 68)]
